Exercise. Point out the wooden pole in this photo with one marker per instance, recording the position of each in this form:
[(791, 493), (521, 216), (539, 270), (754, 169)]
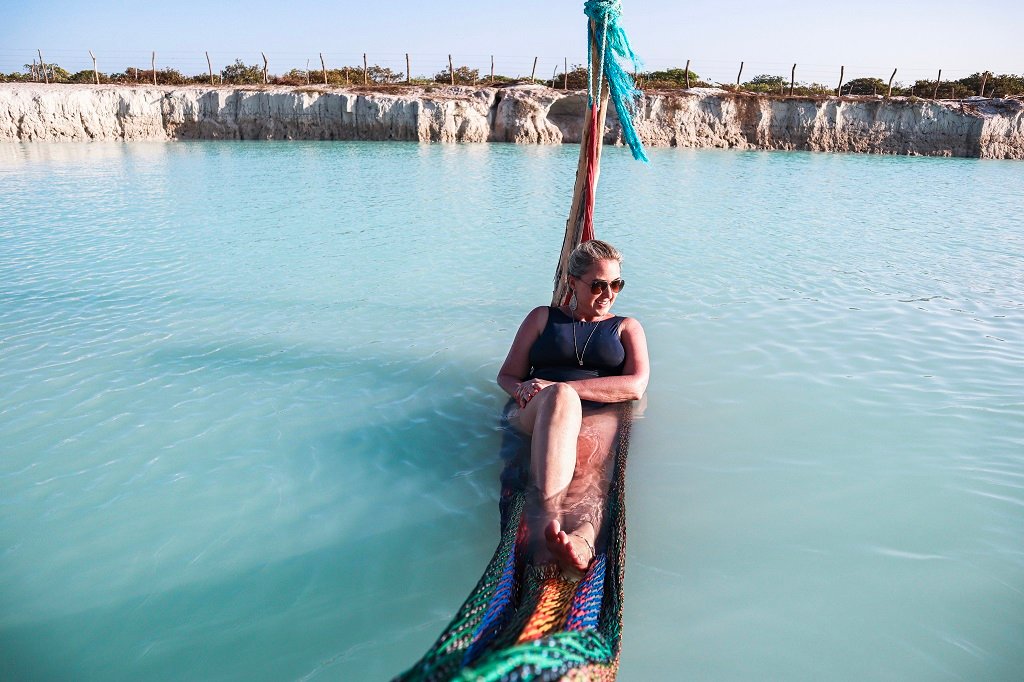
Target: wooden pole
[(408, 70), (739, 74), (209, 65), (687, 74), (935, 92), (839, 90), (574, 225), (451, 70), (346, 76), (95, 72), (323, 67), (565, 69), (554, 74), (35, 72), (492, 69), (307, 72), (532, 73), (46, 78), (366, 80), (265, 81), (889, 94), (792, 80), (981, 90), (152, 65)]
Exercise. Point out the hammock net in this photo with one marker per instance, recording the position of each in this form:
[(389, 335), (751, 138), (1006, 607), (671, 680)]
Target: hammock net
[(527, 621)]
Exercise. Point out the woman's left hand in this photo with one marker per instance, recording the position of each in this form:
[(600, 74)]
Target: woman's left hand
[(529, 388)]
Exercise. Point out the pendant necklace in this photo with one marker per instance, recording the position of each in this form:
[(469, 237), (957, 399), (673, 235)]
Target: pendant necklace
[(579, 355)]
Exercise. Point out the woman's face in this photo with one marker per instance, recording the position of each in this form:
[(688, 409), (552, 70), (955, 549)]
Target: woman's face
[(600, 303)]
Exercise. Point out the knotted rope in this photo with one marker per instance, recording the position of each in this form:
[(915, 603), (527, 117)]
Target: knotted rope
[(623, 91)]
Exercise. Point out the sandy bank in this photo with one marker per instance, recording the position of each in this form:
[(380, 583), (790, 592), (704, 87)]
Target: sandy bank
[(525, 114)]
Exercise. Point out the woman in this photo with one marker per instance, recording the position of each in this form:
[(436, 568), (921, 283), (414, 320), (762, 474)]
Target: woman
[(565, 366)]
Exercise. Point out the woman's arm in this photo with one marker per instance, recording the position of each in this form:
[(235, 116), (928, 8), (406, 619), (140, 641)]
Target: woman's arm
[(632, 383), (517, 364)]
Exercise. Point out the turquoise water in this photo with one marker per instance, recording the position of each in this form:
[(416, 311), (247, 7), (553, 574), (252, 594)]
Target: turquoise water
[(248, 426)]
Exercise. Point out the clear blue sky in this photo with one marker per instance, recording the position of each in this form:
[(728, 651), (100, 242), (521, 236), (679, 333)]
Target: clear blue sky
[(870, 37)]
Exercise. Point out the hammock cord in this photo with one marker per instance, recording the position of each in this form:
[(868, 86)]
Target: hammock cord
[(592, 143)]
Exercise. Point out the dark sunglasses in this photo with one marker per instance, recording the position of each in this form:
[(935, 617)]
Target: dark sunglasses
[(599, 285)]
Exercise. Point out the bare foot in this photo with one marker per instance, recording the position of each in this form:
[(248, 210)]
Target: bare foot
[(572, 551)]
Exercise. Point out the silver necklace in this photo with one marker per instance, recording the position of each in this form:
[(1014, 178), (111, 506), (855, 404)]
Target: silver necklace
[(579, 355)]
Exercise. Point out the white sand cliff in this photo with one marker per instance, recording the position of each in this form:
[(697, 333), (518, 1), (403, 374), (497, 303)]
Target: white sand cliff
[(526, 114)]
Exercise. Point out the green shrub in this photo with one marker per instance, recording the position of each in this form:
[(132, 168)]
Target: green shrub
[(240, 73), (865, 86), (463, 76), (674, 76), (765, 83)]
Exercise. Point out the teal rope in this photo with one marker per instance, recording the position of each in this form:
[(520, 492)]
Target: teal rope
[(623, 91)]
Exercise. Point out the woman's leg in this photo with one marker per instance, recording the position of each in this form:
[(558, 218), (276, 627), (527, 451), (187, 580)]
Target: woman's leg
[(553, 418), (583, 506)]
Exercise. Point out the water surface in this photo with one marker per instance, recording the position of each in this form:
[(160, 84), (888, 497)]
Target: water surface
[(248, 424)]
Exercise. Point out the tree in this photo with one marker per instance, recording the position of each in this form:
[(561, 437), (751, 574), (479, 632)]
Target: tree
[(995, 86), (463, 76), (865, 86), (667, 78), (765, 83), (87, 76), (242, 74)]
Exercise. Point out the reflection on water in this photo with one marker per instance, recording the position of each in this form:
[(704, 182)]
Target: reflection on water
[(249, 428)]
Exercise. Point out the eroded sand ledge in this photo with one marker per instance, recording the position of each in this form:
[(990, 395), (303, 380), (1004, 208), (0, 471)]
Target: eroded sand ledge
[(526, 114)]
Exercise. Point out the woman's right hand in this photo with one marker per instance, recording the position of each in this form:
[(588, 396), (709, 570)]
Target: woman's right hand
[(526, 390)]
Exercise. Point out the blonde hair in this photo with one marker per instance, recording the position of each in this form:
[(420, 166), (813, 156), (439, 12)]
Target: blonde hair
[(584, 256)]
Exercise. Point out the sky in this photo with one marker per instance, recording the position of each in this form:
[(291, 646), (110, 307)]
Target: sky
[(869, 38)]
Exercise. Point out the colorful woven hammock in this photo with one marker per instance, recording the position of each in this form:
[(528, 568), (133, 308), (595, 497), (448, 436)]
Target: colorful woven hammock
[(526, 622)]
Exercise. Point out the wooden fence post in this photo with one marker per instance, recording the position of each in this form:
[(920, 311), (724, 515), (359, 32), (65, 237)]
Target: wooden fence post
[(153, 66), (35, 73), (346, 76), (739, 74), (451, 70), (307, 72), (792, 80), (935, 92), (42, 65), (981, 90), (565, 68), (492, 69), (889, 94), (366, 80), (408, 70), (687, 74), (323, 67), (534, 72), (554, 74), (95, 73), (265, 81), (839, 90), (209, 65)]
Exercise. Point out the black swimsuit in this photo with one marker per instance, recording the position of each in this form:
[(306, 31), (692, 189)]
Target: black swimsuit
[(555, 357)]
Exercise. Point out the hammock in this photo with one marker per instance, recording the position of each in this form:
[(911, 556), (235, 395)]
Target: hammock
[(528, 622)]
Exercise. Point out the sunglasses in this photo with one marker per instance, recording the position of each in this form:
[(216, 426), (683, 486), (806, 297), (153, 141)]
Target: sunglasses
[(599, 285)]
